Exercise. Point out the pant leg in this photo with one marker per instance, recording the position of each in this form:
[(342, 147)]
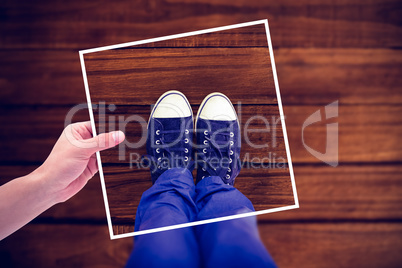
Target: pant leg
[(232, 243), (168, 202)]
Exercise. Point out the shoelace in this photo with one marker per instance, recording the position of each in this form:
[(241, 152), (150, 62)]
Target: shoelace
[(222, 149), (168, 152)]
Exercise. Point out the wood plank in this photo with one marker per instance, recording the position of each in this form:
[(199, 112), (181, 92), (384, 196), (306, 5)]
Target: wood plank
[(64, 246), (86, 205), (47, 132), (331, 245), (31, 132), (250, 36), (366, 133), (349, 215), (309, 76), (362, 192), (140, 76), (345, 193), (352, 76), (40, 130), (306, 23), (313, 245), (49, 77), (266, 188), (262, 135), (334, 245), (265, 137)]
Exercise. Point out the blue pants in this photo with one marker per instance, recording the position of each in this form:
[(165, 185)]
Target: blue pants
[(174, 199)]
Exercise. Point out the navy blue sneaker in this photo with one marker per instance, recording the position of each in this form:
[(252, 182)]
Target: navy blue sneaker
[(170, 134), (218, 139)]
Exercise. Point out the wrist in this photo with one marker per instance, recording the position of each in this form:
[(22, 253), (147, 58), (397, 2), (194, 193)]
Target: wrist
[(41, 181)]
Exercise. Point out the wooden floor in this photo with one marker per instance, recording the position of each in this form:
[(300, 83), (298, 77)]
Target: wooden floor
[(235, 62), (349, 216)]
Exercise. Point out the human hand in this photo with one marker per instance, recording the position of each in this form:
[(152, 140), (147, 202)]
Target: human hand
[(72, 161)]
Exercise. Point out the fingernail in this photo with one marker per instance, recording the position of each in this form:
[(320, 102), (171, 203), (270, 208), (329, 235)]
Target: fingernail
[(116, 136)]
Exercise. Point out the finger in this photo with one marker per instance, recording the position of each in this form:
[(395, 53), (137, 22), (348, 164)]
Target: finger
[(78, 131), (86, 127), (92, 165), (105, 141)]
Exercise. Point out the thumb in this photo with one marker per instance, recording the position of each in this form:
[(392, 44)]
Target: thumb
[(105, 141)]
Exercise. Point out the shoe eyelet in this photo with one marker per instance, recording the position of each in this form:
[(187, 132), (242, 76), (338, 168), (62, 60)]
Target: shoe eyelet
[(205, 142), (185, 150), (185, 140), (157, 150), (231, 143), (202, 177), (227, 183), (227, 176), (231, 134), (158, 132), (185, 158), (230, 160), (231, 152), (204, 150), (229, 169), (159, 158), (157, 142), (186, 131), (205, 132), (159, 167), (203, 169)]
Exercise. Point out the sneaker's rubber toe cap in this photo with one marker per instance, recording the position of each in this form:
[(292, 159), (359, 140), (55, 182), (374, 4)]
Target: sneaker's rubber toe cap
[(172, 104), (217, 107)]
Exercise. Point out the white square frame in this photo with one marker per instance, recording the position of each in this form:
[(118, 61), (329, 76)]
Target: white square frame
[(169, 37)]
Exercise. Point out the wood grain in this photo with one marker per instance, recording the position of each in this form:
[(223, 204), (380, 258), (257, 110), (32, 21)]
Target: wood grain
[(337, 245), (306, 76), (344, 50), (313, 245), (334, 245), (381, 121), (45, 24), (67, 246), (346, 193), (265, 188), (262, 134), (86, 206), (123, 76)]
